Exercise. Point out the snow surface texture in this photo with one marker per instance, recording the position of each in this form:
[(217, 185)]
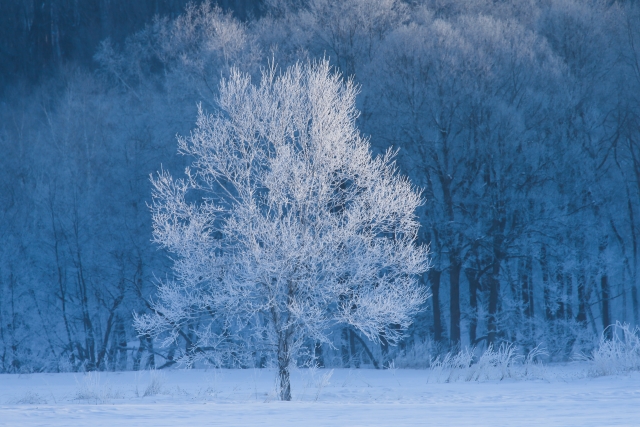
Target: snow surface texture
[(564, 395)]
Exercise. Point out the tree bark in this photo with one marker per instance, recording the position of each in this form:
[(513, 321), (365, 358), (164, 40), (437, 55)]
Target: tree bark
[(474, 285), (384, 349), (527, 289), (284, 359), (606, 315), (318, 354), (454, 301), (103, 348), (604, 288), (352, 346), (549, 311), (365, 348), (434, 280), (344, 347), (581, 317), (494, 292)]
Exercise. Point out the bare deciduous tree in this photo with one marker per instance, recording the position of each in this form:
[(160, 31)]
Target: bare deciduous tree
[(285, 225)]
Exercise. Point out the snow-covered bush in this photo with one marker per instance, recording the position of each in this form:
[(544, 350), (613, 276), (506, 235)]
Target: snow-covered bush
[(448, 368), (618, 351), (419, 354), (29, 398), (494, 364), (156, 383), (91, 388)]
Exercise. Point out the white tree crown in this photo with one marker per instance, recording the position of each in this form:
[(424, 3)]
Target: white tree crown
[(285, 225)]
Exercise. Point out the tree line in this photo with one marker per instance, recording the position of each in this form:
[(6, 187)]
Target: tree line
[(36, 37), (520, 121)]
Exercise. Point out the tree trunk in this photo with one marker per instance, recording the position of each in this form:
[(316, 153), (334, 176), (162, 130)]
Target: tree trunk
[(592, 321), (634, 237), (318, 354), (121, 345), (581, 317), (568, 280), (110, 321), (352, 346), (454, 301), (474, 285), (549, 304), (284, 360), (15, 360), (634, 301), (606, 315), (434, 280), (634, 270), (344, 347), (365, 348), (384, 349), (151, 359), (527, 290), (560, 299), (494, 292), (604, 287), (285, 383)]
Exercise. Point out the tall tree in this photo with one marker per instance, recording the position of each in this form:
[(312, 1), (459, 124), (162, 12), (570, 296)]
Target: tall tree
[(298, 228)]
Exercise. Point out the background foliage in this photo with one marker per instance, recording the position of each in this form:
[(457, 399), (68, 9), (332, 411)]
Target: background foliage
[(520, 119)]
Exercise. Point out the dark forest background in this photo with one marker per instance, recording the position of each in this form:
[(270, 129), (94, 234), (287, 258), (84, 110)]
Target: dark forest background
[(519, 119), (38, 36)]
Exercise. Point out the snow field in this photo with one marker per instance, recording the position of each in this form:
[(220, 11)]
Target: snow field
[(566, 396)]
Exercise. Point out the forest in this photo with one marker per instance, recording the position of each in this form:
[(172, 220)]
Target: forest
[(518, 120)]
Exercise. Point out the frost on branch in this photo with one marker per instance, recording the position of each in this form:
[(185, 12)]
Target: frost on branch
[(285, 225)]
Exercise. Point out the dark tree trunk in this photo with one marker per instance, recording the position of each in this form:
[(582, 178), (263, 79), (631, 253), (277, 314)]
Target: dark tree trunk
[(344, 347), (604, 288), (146, 344), (454, 301), (62, 282), (581, 317), (590, 317), (560, 302), (434, 280), (365, 349), (549, 303), (568, 280), (151, 359), (90, 341), (384, 349), (121, 344), (474, 285), (606, 315), (634, 301), (494, 292), (568, 315), (284, 361), (318, 354), (285, 383), (110, 321), (634, 237), (352, 345), (527, 289)]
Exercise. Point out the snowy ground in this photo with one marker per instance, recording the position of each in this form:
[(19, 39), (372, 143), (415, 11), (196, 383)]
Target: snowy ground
[(359, 397)]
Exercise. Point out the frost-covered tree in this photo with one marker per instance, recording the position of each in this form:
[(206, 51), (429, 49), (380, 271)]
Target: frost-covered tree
[(466, 97), (285, 225)]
